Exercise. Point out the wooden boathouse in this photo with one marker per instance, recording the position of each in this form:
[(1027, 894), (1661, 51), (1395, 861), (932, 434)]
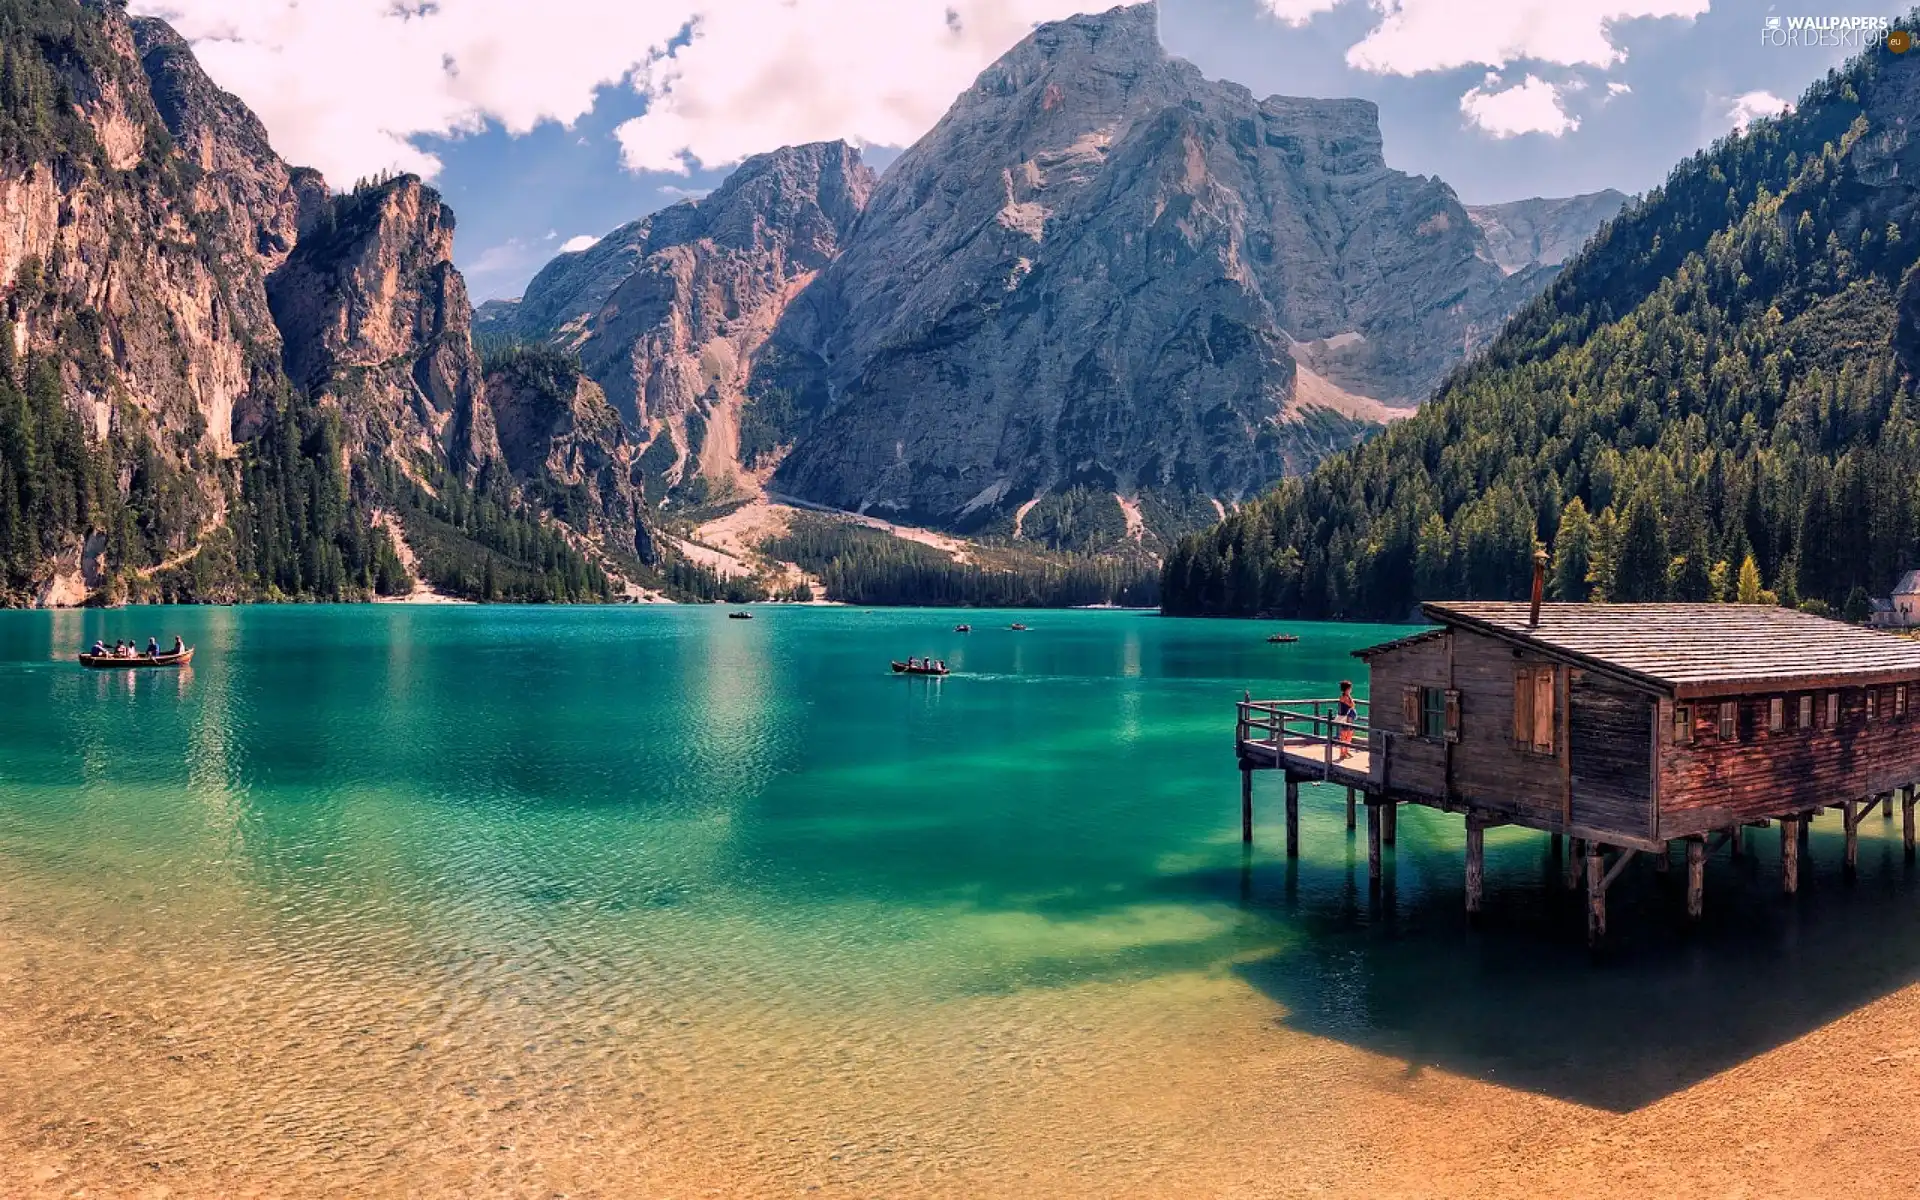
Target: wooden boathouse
[(1622, 727)]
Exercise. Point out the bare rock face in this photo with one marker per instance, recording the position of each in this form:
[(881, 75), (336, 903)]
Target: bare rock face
[(1102, 270), (375, 316), (108, 271), (1543, 232), (558, 434), (668, 313)]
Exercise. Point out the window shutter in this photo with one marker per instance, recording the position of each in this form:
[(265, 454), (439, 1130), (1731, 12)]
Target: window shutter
[(1543, 698), (1410, 709), (1523, 706), (1453, 715)]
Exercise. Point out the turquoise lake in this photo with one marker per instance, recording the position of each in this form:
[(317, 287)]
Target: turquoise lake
[(645, 901)]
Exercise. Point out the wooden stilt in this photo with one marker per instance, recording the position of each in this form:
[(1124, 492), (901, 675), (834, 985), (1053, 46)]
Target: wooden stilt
[(1850, 815), (1663, 860), (1349, 809), (1553, 844), (1906, 820), (1246, 805), (1696, 876), (1886, 807), (1390, 823), (1576, 862), (1790, 854), (1737, 842), (1373, 843), (1596, 895), (1476, 862), (1293, 817)]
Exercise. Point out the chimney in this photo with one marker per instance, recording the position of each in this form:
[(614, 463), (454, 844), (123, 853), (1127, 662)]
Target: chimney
[(1539, 586)]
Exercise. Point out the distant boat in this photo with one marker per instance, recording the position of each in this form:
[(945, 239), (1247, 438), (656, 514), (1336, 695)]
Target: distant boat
[(901, 668), (1017, 627), (1283, 639), (739, 616), (963, 629), (110, 662)]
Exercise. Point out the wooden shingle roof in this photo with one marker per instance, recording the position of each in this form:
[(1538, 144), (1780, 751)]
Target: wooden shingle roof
[(1691, 650)]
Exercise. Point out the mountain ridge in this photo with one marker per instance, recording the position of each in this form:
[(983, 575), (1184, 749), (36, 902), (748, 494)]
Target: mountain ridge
[(1102, 284)]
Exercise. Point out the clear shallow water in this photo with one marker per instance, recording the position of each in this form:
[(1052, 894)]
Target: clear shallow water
[(469, 895)]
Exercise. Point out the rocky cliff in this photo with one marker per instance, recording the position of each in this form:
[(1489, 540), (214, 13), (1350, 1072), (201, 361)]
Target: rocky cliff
[(376, 319), (558, 433), (197, 332), (1545, 232)]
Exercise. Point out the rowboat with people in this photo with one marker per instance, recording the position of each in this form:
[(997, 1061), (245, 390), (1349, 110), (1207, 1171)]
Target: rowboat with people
[(136, 662), (920, 666)]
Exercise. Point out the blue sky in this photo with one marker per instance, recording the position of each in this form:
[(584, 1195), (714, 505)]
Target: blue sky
[(547, 126)]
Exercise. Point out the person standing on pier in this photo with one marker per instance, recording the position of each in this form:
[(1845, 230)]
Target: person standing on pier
[(1347, 716)]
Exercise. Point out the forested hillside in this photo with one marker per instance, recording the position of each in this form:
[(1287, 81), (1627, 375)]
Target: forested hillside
[(1715, 400)]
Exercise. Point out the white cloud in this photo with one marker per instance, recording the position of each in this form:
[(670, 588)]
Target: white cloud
[(765, 73), (1530, 106), (1617, 89), (1747, 106), (1414, 36), (575, 245), (1299, 12), (346, 85)]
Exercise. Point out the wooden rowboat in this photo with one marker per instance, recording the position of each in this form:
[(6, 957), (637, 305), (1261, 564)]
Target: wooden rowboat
[(739, 616), (1283, 639), (963, 629), (1017, 627), (901, 668), (108, 662)]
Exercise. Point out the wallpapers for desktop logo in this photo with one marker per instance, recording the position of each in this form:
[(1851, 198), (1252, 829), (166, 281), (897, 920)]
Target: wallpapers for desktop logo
[(1834, 32)]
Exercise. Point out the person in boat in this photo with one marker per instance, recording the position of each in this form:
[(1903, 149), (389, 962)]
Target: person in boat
[(941, 666), (120, 647), (153, 647), (1347, 716), (179, 645), (99, 648)]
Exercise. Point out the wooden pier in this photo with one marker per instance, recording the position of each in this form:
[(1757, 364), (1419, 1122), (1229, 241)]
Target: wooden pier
[(1621, 728)]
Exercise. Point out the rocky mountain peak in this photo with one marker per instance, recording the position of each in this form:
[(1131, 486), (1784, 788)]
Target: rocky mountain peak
[(805, 198), (369, 304)]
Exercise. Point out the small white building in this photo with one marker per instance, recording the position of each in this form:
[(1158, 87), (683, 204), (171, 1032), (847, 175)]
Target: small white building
[(1902, 610)]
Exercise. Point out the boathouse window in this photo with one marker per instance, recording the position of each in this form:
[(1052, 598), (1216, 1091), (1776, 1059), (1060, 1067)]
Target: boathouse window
[(1534, 709), (1872, 696), (1777, 714), (1806, 712), (1729, 720), (1900, 702), (1682, 725), (1833, 710), (1432, 713)]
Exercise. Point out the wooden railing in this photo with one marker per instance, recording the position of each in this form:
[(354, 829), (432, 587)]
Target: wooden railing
[(1317, 723)]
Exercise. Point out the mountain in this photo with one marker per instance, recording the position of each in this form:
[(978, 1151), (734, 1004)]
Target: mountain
[(1102, 298), (1719, 398), (668, 314), (1522, 233), (218, 378)]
